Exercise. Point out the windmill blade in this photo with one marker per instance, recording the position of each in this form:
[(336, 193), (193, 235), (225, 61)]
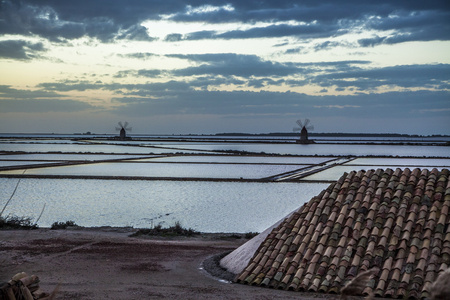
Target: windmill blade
[(306, 123), (310, 127), (296, 129), (120, 124), (299, 122), (125, 125), (118, 128), (129, 129)]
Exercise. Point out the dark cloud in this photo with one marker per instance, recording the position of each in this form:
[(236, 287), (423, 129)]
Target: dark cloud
[(158, 89), (409, 20), (206, 81), (60, 20), (327, 45), (43, 106), (229, 64), (250, 66), (406, 76), (138, 55), (19, 49), (251, 71), (300, 31), (174, 37), (263, 82), (136, 33), (149, 73), (295, 50), (391, 105), (36, 101), (64, 20), (6, 92), (410, 26), (70, 85)]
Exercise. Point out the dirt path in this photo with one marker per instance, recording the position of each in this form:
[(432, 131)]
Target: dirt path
[(107, 264)]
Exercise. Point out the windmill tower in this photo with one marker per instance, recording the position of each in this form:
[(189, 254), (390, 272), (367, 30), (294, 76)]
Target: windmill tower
[(304, 127), (123, 130)]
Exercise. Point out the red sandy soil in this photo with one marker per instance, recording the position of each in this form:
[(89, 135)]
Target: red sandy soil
[(105, 263)]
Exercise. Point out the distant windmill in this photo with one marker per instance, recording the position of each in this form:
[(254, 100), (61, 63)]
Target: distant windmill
[(304, 127), (123, 130)]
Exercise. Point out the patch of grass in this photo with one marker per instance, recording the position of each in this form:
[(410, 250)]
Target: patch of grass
[(63, 225), (250, 235), (158, 230), (237, 236), (14, 222)]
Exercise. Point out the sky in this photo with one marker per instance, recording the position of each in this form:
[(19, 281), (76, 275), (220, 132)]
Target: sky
[(205, 67)]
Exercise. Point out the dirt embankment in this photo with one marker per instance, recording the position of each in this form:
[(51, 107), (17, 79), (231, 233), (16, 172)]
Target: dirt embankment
[(105, 263)]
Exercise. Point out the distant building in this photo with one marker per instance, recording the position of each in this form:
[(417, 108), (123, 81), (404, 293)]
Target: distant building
[(304, 127), (123, 134), (304, 136), (123, 131)]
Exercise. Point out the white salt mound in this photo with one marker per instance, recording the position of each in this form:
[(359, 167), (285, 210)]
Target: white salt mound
[(236, 261)]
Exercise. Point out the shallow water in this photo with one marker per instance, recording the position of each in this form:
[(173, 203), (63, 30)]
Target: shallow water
[(68, 157), (326, 149), (284, 149), (203, 206), (164, 170), (88, 148), (400, 161), (242, 159)]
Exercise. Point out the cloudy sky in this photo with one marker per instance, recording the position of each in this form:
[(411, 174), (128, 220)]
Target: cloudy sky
[(215, 66)]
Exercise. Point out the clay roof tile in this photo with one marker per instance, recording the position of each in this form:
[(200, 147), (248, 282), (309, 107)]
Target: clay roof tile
[(401, 226)]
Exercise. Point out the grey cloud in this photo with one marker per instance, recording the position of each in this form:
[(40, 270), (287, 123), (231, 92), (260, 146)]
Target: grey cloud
[(251, 71), (295, 50), (42, 106), (136, 33), (149, 73), (205, 81), (300, 31), (138, 55), (327, 45), (20, 49), (403, 76), (229, 64), (262, 82), (419, 21), (37, 101), (7, 92), (370, 42), (174, 37), (26, 19), (160, 88), (60, 20), (70, 86), (238, 103), (409, 26), (152, 73)]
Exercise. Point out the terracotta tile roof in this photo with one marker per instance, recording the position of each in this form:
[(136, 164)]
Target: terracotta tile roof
[(397, 221)]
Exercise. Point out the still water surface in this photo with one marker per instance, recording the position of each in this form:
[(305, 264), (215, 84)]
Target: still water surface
[(203, 206)]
